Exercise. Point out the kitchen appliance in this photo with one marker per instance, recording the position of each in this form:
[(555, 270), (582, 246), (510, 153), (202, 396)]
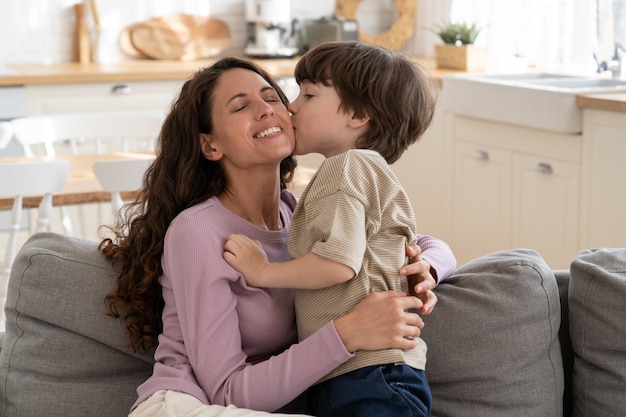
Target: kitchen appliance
[(271, 30), (316, 31)]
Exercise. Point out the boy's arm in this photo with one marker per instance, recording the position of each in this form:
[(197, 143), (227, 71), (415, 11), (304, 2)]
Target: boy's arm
[(307, 272)]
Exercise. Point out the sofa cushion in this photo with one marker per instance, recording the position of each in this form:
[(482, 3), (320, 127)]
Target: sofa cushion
[(493, 346), (597, 300), (61, 354)]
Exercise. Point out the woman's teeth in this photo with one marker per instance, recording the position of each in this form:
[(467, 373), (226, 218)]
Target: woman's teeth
[(268, 132)]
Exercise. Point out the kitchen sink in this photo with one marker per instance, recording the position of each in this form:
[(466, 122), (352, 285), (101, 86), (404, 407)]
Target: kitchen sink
[(525, 76), (539, 100), (577, 84)]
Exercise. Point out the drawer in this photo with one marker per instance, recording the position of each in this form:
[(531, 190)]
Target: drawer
[(563, 146), (109, 96)]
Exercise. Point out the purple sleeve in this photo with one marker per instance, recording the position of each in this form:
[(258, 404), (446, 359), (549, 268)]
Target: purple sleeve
[(439, 255)]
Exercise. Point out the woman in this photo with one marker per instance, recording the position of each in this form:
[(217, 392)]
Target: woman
[(223, 163)]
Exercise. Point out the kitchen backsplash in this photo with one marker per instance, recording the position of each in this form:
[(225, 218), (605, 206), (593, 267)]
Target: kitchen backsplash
[(41, 31)]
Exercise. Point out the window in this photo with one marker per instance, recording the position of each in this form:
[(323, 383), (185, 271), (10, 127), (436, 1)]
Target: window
[(552, 35)]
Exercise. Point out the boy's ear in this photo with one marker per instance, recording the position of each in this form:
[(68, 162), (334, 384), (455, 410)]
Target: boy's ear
[(208, 149), (356, 121)]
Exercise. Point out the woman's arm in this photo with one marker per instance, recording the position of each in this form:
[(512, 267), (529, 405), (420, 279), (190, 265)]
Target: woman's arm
[(438, 255)]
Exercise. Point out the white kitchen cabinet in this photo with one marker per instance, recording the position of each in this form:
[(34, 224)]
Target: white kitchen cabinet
[(481, 199), (513, 187), (603, 203), (101, 96), (546, 207), (424, 172)]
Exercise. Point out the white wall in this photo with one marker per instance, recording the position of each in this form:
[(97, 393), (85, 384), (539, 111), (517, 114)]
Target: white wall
[(41, 31)]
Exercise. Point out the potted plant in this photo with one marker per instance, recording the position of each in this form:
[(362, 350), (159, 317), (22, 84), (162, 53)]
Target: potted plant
[(458, 50)]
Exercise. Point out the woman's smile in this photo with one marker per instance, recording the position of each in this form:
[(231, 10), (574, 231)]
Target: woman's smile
[(271, 131)]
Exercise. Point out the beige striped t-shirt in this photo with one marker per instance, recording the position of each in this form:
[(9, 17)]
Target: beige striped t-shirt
[(354, 211)]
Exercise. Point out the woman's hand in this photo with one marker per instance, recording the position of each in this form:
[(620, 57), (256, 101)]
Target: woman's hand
[(381, 321), (421, 280)]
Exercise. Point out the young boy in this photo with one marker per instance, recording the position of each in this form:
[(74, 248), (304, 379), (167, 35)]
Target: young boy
[(360, 106)]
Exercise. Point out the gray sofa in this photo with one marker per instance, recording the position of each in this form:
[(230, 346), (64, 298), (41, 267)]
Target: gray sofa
[(509, 337)]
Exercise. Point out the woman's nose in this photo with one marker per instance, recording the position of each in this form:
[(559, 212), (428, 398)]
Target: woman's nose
[(265, 109)]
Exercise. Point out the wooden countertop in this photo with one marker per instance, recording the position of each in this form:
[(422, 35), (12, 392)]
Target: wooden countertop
[(606, 101), (142, 70), (135, 70)]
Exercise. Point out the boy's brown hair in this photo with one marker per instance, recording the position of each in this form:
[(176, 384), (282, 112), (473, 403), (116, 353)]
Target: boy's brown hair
[(395, 92)]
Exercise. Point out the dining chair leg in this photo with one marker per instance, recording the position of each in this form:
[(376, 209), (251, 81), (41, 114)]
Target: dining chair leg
[(45, 211), (66, 221)]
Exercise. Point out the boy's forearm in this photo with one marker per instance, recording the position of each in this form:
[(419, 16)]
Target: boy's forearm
[(307, 272)]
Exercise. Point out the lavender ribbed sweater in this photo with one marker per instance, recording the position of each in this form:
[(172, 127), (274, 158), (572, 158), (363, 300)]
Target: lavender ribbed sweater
[(227, 343)]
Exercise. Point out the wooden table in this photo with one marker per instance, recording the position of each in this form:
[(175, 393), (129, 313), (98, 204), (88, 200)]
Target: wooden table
[(83, 187)]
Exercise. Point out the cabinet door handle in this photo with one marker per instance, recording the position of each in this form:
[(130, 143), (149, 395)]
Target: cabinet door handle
[(544, 168), (481, 155), (121, 89)]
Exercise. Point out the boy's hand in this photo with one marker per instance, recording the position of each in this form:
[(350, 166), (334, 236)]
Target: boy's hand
[(247, 257)]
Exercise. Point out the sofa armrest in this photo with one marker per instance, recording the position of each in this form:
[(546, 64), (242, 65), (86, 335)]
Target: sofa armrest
[(62, 355), (597, 313)]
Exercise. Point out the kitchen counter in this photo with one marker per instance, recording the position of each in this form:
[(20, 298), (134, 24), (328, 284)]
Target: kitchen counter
[(608, 101), (140, 70), (136, 70)]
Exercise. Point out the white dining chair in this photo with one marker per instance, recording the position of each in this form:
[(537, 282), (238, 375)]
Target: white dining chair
[(6, 133), (118, 175), (25, 179), (88, 132)]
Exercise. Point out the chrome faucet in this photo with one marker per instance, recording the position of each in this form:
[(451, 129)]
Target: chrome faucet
[(614, 64)]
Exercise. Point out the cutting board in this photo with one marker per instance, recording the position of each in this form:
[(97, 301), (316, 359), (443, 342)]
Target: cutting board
[(176, 37)]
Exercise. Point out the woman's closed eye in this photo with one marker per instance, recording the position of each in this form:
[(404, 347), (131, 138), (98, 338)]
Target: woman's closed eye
[(243, 105), (272, 99)]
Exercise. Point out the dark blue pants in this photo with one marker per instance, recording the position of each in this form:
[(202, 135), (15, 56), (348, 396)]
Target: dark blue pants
[(374, 391)]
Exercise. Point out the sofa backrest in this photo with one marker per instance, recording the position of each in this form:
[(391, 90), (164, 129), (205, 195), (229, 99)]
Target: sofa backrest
[(493, 339), (62, 355)]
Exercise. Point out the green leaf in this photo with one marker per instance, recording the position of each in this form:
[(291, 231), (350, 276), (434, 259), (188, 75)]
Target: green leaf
[(458, 33)]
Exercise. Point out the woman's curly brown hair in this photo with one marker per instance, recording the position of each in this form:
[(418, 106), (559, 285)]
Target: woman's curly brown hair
[(179, 177)]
